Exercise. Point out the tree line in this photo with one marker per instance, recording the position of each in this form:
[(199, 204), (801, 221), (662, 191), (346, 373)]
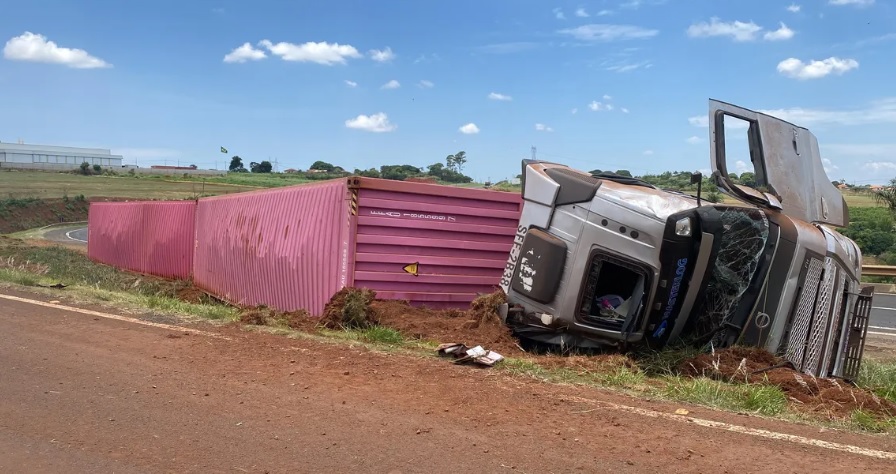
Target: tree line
[(451, 171)]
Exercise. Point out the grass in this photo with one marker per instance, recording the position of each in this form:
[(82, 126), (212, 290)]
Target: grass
[(879, 377), (86, 281), (760, 399), (45, 185)]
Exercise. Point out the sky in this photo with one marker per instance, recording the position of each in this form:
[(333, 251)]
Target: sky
[(604, 84)]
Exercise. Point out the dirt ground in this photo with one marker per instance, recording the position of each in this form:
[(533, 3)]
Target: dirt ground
[(481, 325), (826, 397), (86, 393)]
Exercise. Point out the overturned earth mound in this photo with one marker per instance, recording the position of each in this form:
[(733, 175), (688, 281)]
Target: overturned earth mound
[(479, 325), (830, 397)]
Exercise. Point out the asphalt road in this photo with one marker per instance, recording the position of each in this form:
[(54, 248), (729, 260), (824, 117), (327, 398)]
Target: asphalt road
[(883, 313), (67, 235), (95, 392)]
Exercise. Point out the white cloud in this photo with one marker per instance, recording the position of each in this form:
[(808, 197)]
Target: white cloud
[(597, 106), (828, 165), (782, 33), (699, 121), (469, 129), (627, 67), (879, 166), (244, 53), (377, 123), (607, 97), (694, 140), (794, 8), (624, 110), (393, 84), (737, 30), (860, 150), (609, 106), (605, 12), (351, 83), (858, 3), (424, 84), (880, 111), (797, 69), (497, 96), (382, 55), (320, 53), (36, 48), (581, 13), (558, 13), (543, 128), (648, 152), (575, 110), (604, 32), (741, 167)]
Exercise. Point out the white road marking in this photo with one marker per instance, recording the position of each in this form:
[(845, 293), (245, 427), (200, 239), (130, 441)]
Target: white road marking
[(69, 236), (742, 429), (113, 316), (882, 333)]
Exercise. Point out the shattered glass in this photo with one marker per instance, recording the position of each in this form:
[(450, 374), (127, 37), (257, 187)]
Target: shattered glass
[(745, 232)]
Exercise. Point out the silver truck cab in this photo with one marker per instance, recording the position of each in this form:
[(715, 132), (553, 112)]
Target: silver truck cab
[(606, 260)]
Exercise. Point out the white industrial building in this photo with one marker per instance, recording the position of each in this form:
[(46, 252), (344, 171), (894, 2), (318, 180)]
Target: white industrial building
[(45, 157)]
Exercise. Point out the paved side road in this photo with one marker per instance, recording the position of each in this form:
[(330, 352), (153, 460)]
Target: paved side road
[(93, 392)]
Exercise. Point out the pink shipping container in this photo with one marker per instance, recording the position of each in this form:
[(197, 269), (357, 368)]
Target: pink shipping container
[(295, 247), (151, 237)]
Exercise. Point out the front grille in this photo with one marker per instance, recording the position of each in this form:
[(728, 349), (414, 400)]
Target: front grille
[(802, 320)]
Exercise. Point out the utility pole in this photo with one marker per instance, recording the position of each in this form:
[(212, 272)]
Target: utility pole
[(533, 152)]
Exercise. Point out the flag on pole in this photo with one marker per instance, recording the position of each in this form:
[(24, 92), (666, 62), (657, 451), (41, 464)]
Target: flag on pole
[(223, 150)]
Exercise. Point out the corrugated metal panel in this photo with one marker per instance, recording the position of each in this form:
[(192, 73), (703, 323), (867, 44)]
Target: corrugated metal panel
[(152, 237), (286, 248), (460, 239)]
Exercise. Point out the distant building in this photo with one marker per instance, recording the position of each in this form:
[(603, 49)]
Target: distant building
[(46, 157)]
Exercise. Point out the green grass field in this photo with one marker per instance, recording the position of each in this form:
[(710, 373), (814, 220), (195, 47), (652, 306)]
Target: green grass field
[(43, 185)]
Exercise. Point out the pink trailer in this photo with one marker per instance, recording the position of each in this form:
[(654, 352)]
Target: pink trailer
[(295, 247), (151, 237)]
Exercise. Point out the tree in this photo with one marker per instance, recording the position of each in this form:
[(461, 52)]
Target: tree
[(626, 173), (85, 168), (236, 164), (748, 178), (886, 196), (456, 161), (399, 172), (322, 166), (263, 167)]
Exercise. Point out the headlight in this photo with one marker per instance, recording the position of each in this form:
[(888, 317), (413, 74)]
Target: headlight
[(683, 227)]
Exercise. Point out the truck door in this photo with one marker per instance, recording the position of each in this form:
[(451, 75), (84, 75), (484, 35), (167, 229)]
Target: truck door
[(789, 172)]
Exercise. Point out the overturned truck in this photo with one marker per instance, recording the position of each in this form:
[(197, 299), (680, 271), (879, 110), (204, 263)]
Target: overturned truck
[(606, 260)]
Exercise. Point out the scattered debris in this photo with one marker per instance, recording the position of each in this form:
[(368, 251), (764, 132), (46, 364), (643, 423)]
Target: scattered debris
[(463, 354)]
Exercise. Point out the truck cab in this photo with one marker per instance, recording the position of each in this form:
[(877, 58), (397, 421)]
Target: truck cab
[(610, 261)]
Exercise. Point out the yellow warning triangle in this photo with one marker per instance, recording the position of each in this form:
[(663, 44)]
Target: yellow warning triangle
[(412, 268)]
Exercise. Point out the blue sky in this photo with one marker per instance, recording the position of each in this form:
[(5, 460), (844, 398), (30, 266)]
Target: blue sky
[(614, 84)]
